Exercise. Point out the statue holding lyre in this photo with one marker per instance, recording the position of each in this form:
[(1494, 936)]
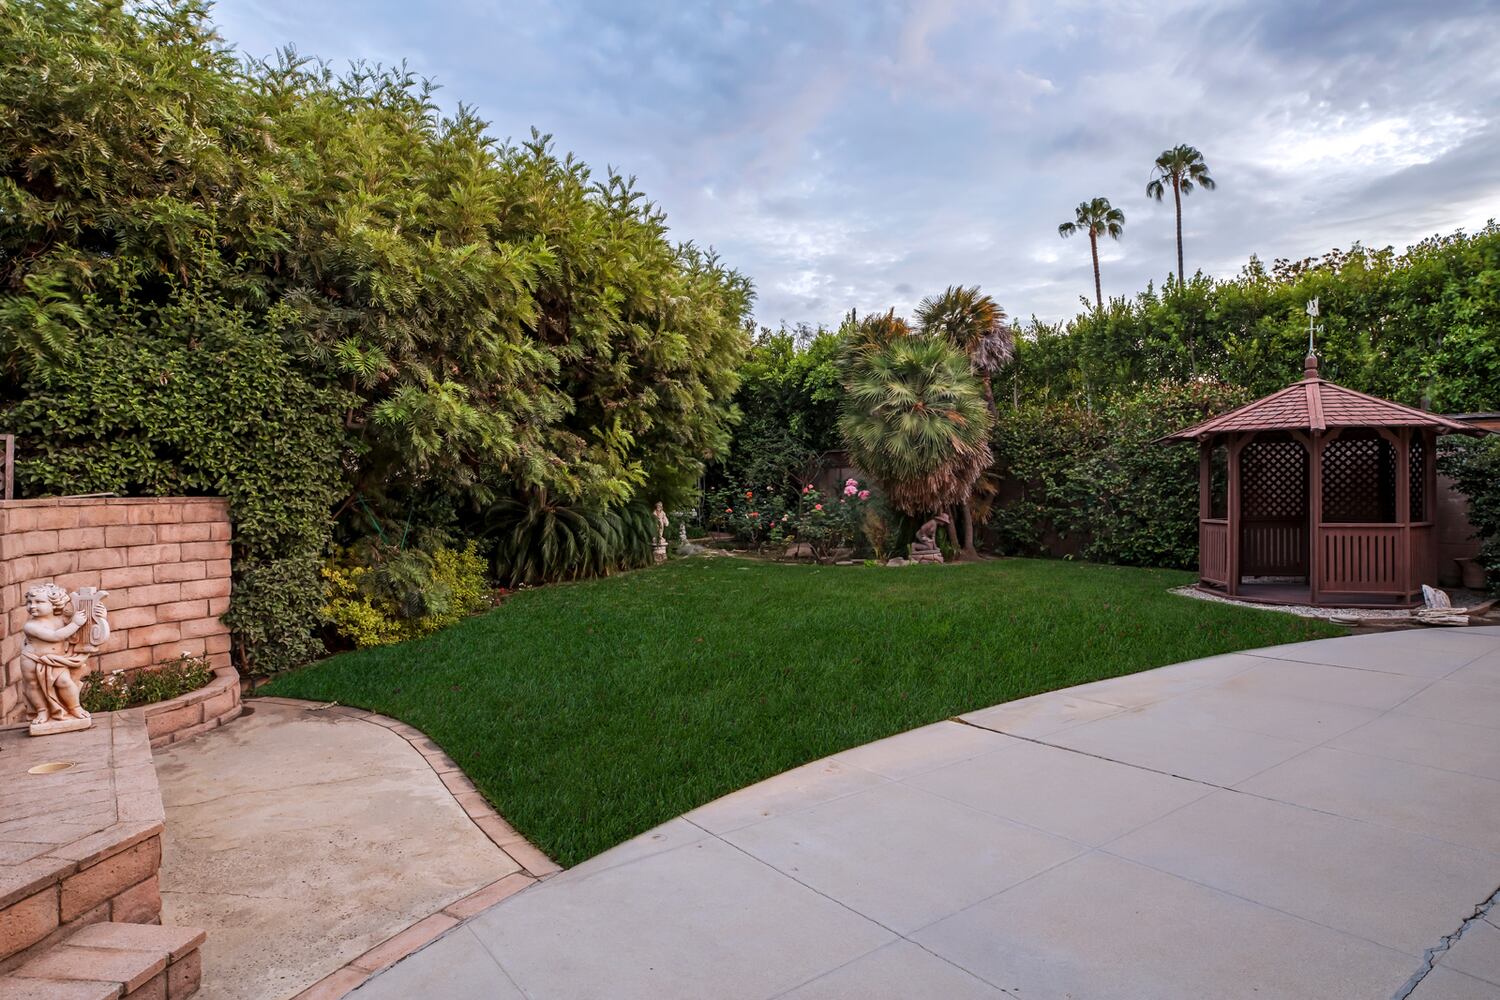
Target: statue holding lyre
[(57, 640)]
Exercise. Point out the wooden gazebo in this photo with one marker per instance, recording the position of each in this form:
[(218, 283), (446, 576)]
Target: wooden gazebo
[(1318, 495)]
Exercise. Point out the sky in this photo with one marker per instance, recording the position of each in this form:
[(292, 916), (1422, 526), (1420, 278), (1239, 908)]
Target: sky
[(867, 153)]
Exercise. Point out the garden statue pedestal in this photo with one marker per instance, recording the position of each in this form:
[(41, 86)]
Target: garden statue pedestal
[(924, 549), (55, 654)]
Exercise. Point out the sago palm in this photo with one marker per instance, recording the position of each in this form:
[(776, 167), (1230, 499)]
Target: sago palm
[(975, 324), (914, 418), (1097, 218), (1181, 168)]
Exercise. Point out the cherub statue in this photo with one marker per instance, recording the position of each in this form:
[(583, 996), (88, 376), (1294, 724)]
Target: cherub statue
[(54, 655), (661, 523)]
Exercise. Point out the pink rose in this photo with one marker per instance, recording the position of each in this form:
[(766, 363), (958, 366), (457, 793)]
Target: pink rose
[(817, 506), (864, 494), (850, 488)]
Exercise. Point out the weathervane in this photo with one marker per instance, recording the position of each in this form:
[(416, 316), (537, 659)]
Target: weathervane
[(1312, 327)]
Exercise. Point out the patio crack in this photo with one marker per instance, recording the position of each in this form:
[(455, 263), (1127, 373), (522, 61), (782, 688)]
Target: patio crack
[(1481, 915)]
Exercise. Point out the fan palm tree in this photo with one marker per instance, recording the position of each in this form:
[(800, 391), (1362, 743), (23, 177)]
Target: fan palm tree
[(1097, 218), (914, 418), (1182, 168), (975, 324)]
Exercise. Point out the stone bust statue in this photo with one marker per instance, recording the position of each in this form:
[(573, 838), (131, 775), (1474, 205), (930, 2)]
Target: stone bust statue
[(55, 652)]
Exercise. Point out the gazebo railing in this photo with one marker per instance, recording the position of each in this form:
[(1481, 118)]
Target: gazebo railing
[(1274, 547), (1362, 558), (1213, 551)]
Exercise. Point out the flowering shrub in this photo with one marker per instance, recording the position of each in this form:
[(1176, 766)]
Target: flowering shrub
[(408, 594), (753, 516), (828, 523), (170, 678)]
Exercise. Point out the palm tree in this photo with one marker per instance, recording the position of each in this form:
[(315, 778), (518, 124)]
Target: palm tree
[(1182, 167), (975, 324), (1097, 218), (914, 418)]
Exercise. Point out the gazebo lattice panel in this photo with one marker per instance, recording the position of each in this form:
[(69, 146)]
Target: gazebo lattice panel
[(1273, 480), (1273, 508), (1351, 466), (1416, 460)]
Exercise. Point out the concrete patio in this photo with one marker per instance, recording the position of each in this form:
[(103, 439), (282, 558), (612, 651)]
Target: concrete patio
[(1311, 821)]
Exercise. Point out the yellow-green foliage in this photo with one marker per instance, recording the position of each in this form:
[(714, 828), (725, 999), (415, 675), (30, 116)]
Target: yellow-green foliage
[(375, 605)]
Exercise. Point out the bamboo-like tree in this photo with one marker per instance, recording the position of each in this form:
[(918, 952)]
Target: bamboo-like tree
[(1097, 218), (1181, 168), (914, 418), (975, 324)]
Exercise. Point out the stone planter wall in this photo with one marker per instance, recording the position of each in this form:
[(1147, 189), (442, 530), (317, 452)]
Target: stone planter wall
[(165, 562), (187, 715)]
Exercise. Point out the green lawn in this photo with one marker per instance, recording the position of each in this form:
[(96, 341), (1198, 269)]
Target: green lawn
[(590, 712)]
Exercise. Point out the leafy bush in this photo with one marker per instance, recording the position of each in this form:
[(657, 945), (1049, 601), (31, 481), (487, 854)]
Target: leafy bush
[(1404, 326), (541, 541), (829, 523), (1475, 468), (195, 298), (1101, 481), (752, 516), (403, 595), (170, 678)]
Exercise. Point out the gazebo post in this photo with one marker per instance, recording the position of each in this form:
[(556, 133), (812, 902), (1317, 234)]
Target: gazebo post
[(1315, 518), (1403, 509), (1236, 442)]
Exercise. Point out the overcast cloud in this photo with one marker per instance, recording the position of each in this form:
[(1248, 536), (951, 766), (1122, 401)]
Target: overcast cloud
[(865, 153)]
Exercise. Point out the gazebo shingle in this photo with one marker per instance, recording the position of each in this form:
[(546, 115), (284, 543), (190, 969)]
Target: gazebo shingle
[(1315, 404)]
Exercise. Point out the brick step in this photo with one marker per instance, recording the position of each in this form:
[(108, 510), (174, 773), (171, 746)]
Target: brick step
[(112, 961)]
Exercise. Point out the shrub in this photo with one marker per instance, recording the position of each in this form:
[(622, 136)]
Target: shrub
[(752, 516), (403, 595), (1101, 480), (1475, 468), (829, 523), (170, 678), (540, 541)]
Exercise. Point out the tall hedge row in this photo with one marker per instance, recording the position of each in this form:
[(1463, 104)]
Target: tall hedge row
[(321, 297)]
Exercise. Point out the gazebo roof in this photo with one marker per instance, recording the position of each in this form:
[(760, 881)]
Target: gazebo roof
[(1315, 404)]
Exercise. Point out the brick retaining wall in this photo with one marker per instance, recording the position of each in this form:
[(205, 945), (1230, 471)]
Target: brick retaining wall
[(165, 562)]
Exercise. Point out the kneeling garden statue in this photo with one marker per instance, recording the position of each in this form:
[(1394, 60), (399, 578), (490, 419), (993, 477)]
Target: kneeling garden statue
[(925, 548), (55, 650)]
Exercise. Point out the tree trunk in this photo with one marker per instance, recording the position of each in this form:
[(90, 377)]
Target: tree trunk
[(1182, 277), (970, 552), (989, 397), (958, 546), (1098, 289), (1177, 197)]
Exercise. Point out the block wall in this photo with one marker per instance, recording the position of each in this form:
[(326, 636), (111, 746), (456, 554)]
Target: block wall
[(165, 562)]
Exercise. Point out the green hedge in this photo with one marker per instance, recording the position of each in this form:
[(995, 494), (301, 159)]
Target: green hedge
[(1099, 483)]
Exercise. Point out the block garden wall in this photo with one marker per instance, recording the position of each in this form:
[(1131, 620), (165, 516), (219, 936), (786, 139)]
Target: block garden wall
[(165, 562)]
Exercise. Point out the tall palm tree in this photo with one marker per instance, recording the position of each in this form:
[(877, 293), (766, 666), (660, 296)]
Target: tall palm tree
[(1097, 218), (914, 418), (975, 324), (1182, 168)]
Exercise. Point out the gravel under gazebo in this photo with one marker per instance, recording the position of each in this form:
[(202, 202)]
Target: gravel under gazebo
[(1318, 495)]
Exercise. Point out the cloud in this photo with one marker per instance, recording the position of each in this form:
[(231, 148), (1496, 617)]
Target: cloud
[(865, 153)]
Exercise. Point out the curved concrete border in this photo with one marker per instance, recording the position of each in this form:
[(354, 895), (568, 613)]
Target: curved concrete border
[(187, 715), (535, 866)]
